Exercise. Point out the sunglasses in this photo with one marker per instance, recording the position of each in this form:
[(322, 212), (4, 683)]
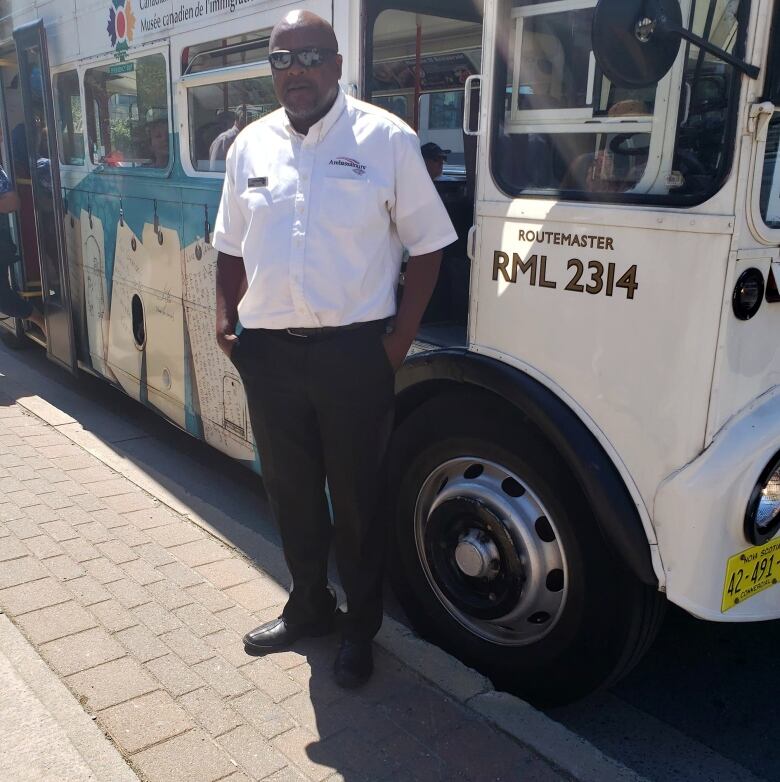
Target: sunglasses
[(310, 57)]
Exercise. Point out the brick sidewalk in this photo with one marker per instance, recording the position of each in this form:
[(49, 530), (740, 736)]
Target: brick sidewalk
[(141, 614)]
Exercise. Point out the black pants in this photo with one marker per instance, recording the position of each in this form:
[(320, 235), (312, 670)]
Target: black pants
[(322, 407), (11, 303)]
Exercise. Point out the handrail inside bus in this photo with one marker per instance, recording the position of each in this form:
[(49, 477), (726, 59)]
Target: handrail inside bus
[(237, 48)]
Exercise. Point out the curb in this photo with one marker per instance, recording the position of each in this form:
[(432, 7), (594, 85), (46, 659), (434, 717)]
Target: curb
[(561, 747)]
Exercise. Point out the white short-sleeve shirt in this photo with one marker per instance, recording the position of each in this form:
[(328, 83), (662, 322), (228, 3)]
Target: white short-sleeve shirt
[(322, 220)]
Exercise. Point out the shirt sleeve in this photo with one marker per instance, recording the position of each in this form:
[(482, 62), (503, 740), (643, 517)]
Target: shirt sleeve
[(5, 183), (230, 225), (420, 218)]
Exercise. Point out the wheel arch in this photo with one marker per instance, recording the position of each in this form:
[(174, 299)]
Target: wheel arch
[(427, 375)]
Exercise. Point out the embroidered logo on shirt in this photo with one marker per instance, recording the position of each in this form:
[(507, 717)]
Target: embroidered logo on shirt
[(357, 168), (258, 181)]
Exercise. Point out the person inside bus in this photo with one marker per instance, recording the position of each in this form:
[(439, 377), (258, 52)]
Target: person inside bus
[(435, 157), (222, 143), (11, 303), (157, 138), (313, 281)]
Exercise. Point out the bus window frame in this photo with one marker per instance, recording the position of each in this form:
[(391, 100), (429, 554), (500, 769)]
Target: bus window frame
[(665, 125), (135, 54), (56, 71), (203, 79)]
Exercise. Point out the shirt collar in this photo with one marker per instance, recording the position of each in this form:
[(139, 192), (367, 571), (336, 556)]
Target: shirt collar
[(321, 128)]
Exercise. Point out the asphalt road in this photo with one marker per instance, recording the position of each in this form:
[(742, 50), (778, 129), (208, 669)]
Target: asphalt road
[(700, 706)]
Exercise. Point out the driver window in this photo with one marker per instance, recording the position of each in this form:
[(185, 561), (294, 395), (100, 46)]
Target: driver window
[(564, 128)]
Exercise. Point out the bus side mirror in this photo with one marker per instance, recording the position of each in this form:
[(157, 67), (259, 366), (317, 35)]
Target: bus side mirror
[(635, 42)]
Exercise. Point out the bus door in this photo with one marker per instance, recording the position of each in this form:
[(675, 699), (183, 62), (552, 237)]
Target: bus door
[(420, 57), (40, 134)]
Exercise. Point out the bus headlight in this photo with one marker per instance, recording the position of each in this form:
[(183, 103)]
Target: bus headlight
[(762, 519), (748, 294)]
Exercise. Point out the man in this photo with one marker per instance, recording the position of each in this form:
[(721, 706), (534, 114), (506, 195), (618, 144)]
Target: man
[(157, 136), (222, 143), (320, 198), (434, 157)]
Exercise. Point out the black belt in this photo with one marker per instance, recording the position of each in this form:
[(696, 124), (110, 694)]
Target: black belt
[(328, 331)]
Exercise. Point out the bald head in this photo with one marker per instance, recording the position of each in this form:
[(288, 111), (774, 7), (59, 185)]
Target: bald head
[(315, 27), (309, 86)]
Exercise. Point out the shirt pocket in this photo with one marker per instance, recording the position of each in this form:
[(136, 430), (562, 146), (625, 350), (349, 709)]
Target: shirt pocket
[(346, 202)]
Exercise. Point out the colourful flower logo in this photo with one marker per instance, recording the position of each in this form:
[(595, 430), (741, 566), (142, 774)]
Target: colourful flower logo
[(121, 24)]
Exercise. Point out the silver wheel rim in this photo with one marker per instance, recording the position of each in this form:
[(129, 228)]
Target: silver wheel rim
[(490, 551)]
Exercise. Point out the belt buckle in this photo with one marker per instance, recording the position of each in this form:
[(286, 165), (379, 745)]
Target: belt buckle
[(295, 333)]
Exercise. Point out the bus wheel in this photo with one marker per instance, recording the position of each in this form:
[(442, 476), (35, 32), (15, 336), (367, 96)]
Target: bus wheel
[(497, 556)]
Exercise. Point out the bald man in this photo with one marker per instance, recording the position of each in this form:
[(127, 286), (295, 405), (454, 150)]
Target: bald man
[(321, 198)]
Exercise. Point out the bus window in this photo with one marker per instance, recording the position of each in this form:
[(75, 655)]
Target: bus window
[(563, 127), (70, 138), (225, 52), (217, 112), (127, 113)]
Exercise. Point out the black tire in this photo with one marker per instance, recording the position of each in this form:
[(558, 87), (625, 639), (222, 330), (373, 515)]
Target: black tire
[(608, 617)]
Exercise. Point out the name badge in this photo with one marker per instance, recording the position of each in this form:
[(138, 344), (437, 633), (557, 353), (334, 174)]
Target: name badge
[(257, 181)]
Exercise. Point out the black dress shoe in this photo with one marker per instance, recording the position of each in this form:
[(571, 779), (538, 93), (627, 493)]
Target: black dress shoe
[(280, 634), (354, 664)]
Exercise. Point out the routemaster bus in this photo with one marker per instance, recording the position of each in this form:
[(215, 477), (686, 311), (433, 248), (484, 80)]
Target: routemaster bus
[(588, 425)]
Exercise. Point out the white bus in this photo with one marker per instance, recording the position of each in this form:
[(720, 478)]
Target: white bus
[(589, 423)]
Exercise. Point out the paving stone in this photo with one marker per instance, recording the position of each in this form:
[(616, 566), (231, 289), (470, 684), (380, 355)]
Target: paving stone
[(210, 711), (124, 503), (71, 488), (144, 721), (112, 487), (288, 659), (20, 571), (52, 474), (257, 594), (42, 547), (89, 503), (22, 498), (81, 550), (142, 572), (184, 576), (187, 646), (156, 618), (130, 535), (50, 438), (64, 568), (9, 511), (273, 681), (41, 514), (88, 591), (117, 551), (319, 683), (261, 712), (60, 451), (239, 776), (23, 528), (74, 653), (210, 597), (155, 554), (191, 757), (201, 552), (111, 683), (142, 644), (128, 592), (59, 530), (174, 675), (222, 677), (199, 619), (147, 518), (67, 463), (288, 774), (229, 644), (348, 752), (54, 622), (168, 595), (109, 518), (103, 570), (176, 534), (94, 532), (237, 618), (24, 472), (113, 616), (56, 500), (228, 572), (303, 711), (10, 460), (92, 474), (32, 596), (252, 751), (295, 745), (12, 548), (8, 485)]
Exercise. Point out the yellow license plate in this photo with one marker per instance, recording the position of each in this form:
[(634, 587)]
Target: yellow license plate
[(750, 572)]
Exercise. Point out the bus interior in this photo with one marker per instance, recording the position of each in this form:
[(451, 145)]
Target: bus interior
[(419, 56)]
